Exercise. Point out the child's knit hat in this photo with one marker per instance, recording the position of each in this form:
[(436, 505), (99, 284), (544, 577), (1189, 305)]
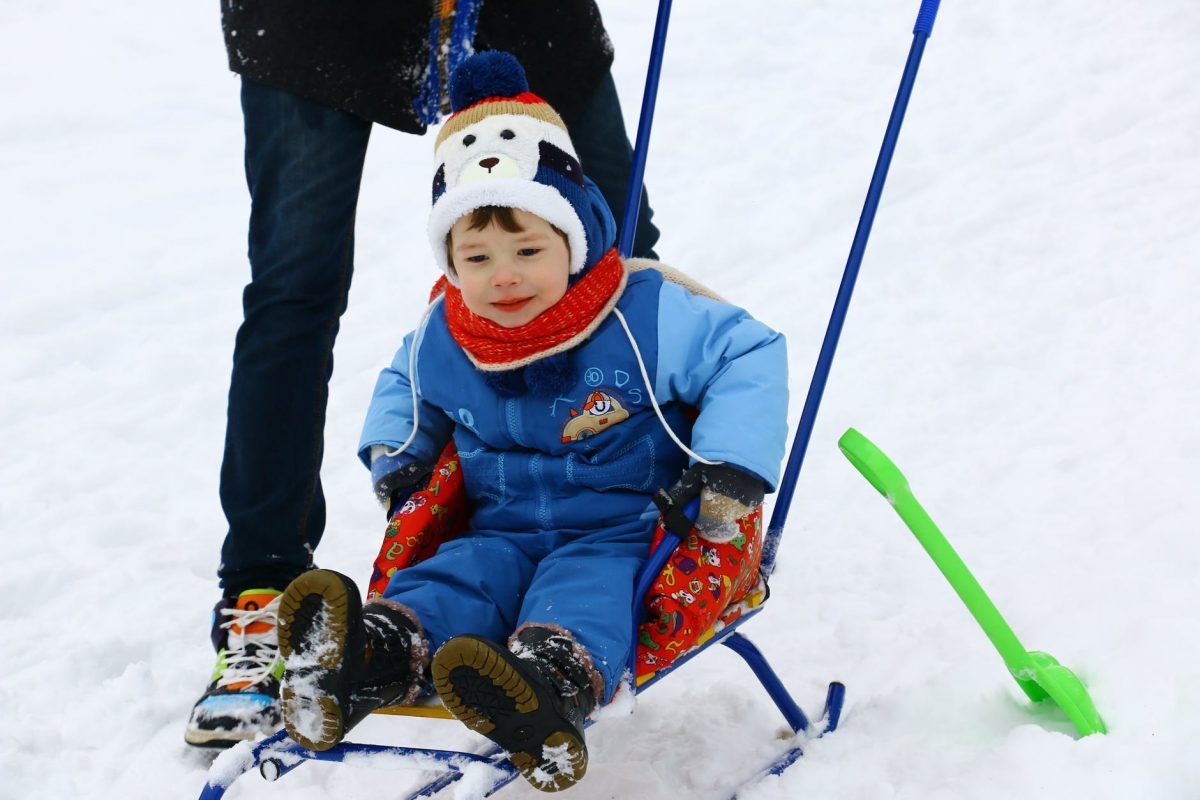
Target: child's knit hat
[(505, 146)]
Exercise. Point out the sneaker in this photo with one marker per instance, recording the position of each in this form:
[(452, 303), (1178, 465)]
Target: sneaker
[(242, 699), (526, 704), (340, 662)]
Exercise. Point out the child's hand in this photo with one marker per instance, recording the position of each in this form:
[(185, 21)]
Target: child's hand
[(726, 494), (395, 480)]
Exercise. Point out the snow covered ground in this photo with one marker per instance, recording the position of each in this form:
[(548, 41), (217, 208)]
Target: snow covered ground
[(1022, 342)]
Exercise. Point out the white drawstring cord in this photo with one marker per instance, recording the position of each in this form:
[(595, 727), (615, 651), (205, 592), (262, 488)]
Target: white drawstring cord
[(256, 666), (412, 381), (650, 390)]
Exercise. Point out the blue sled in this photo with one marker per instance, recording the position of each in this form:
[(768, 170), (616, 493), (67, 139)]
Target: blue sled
[(278, 755)]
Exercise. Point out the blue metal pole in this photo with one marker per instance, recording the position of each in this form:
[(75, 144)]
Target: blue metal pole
[(633, 205), (787, 487), (770, 681), (633, 195)]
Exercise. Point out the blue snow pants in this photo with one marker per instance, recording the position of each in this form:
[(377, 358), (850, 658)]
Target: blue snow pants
[(490, 583)]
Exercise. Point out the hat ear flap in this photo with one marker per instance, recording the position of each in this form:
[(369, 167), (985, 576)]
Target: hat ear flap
[(439, 182), (607, 225)]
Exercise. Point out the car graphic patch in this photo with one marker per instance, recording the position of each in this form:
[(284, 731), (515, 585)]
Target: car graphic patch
[(600, 411)]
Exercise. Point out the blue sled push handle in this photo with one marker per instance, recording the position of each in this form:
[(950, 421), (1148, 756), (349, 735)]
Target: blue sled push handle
[(926, 17), (812, 402)]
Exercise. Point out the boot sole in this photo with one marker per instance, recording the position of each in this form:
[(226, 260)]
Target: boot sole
[(312, 699), (481, 687)]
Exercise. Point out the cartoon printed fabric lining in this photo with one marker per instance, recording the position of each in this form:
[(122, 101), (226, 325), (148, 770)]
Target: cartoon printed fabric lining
[(697, 587), (701, 585), (431, 516)]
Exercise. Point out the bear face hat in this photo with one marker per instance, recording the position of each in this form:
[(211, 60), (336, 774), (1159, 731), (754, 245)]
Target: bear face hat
[(505, 146)]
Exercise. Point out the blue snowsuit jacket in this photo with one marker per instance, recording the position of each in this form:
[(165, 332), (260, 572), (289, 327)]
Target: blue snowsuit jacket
[(547, 477)]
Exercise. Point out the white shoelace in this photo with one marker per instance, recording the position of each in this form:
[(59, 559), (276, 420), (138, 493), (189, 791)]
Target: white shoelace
[(246, 664)]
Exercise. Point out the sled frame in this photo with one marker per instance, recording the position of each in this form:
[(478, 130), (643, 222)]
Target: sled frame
[(277, 755)]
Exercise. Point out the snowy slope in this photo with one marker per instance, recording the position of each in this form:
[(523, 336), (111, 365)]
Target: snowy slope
[(1021, 343)]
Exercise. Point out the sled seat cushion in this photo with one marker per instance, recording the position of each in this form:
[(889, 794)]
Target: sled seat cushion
[(431, 516), (702, 587)]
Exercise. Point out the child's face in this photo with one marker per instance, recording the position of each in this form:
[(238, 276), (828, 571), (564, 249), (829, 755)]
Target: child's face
[(510, 278)]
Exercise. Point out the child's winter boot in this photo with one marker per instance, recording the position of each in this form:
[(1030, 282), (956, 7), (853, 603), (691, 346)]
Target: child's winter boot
[(532, 700), (242, 699), (341, 661)]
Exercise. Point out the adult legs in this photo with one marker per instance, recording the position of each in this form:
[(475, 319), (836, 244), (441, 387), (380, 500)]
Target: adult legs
[(599, 136), (303, 167)]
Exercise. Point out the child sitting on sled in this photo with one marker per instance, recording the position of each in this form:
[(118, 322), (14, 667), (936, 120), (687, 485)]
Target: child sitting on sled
[(569, 385)]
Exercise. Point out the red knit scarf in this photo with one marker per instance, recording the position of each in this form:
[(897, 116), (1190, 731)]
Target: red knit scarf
[(493, 348)]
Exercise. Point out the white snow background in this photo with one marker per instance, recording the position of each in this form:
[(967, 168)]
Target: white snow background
[(1022, 342)]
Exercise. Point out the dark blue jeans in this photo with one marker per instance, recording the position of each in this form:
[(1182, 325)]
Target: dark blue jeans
[(304, 166)]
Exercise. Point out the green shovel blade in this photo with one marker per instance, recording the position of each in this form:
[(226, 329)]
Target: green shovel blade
[(1038, 674)]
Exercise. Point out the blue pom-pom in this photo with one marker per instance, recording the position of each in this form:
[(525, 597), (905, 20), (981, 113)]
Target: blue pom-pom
[(489, 74)]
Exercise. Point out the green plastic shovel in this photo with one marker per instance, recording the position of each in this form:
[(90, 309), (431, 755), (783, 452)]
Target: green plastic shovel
[(1038, 674)]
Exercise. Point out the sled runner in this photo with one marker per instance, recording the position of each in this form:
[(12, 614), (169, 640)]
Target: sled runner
[(670, 627)]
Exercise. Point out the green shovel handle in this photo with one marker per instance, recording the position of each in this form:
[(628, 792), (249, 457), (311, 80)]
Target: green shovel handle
[(887, 479)]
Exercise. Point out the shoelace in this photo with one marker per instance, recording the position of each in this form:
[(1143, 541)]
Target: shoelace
[(250, 657)]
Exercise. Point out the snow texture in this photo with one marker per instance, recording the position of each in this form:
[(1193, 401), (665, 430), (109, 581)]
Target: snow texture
[(563, 764), (305, 668), (1021, 342)]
